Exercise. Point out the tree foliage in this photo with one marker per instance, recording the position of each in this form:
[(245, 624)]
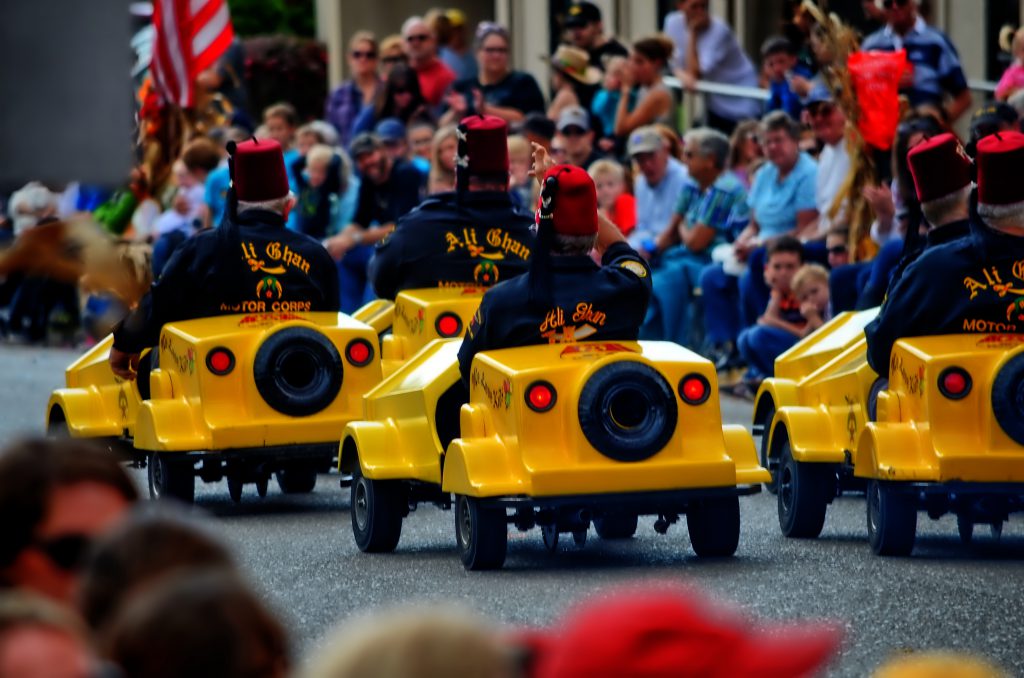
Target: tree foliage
[(270, 17)]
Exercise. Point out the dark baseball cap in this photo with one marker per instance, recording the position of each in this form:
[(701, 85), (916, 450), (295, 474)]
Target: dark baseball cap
[(992, 117), (582, 14)]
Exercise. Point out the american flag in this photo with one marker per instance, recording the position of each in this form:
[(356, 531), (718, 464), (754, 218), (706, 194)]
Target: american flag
[(190, 36)]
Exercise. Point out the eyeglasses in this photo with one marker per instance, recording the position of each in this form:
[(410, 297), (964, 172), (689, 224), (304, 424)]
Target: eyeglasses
[(66, 551), (363, 55), (419, 37), (837, 249), (820, 109), (889, 4), (574, 131), (495, 50), (393, 60)]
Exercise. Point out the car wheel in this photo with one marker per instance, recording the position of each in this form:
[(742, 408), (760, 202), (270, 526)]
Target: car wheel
[(579, 537), (965, 528), (235, 486), (549, 535), (296, 479), (769, 415), (262, 485), (171, 478), (892, 520), (714, 526), (481, 533), (57, 425), (802, 495), (377, 511), (616, 526)]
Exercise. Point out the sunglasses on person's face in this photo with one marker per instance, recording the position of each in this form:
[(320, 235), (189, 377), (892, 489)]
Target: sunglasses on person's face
[(837, 249), (574, 131), (889, 4), (495, 50), (419, 37), (363, 55), (66, 551), (393, 59), (820, 109)]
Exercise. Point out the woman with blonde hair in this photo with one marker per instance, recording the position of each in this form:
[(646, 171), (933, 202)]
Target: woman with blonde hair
[(1011, 41), (442, 160)]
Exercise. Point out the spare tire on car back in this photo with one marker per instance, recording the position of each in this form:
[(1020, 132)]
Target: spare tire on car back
[(1008, 398), (628, 411), (298, 371)]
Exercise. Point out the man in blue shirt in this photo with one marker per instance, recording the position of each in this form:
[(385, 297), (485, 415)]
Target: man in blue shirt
[(657, 187)]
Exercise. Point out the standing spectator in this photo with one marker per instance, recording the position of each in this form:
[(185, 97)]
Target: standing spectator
[(442, 160), (56, 496), (613, 201), (573, 80), (454, 49), (936, 72), (538, 129), (182, 220), (497, 90), (606, 102), (421, 48), (348, 99), (707, 49), (1012, 79), (574, 126), (392, 53), (745, 153), (227, 78), (778, 58), (647, 61), (389, 189), (586, 31), (657, 187)]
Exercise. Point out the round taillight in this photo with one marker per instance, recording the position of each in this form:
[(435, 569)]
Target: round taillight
[(220, 361), (541, 396), (954, 383), (448, 325), (359, 352), (694, 389)]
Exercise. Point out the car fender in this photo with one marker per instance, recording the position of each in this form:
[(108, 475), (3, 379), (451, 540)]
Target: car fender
[(739, 445), (810, 435), (482, 467), (84, 413), (380, 454), (893, 451), (782, 392), (170, 425)]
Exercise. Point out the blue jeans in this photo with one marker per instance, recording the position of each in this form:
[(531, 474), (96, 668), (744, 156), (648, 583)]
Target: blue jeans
[(760, 346), (721, 305), (352, 277), (674, 283)]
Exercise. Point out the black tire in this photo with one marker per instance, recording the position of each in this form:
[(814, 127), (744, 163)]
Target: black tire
[(235, 486), (377, 510), (616, 526), (296, 479), (262, 485), (892, 520), (628, 411), (802, 495), (965, 529), (1008, 398), (769, 415), (171, 478), (714, 526), (481, 533), (298, 371), (57, 424)]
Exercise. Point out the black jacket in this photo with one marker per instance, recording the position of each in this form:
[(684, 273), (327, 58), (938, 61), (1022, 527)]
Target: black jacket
[(973, 284), (478, 239), (934, 238), (591, 303), (253, 266)]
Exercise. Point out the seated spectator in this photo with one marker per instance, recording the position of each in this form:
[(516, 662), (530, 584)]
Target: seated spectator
[(707, 49), (544, 305), (647, 61), (400, 98), (584, 23), (454, 48), (346, 101), (393, 136), (183, 219), (421, 48), (657, 187), (313, 133), (778, 58), (420, 135), (321, 183), (573, 81), (388, 190), (1012, 79), (949, 288), (538, 129), (392, 54), (474, 236), (56, 497), (574, 127), (215, 192), (614, 203), (434, 641), (810, 285), (829, 125), (992, 118), (606, 102), (701, 220), (936, 74), (39, 639), (745, 152), (836, 241), (781, 324), (442, 160), (206, 625), (497, 90), (520, 182)]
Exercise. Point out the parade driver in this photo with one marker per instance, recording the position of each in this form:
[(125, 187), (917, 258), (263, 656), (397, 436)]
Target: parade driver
[(472, 236), (565, 297), (250, 264), (975, 283)]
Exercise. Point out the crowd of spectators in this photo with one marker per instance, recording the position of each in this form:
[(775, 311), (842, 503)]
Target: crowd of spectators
[(705, 201)]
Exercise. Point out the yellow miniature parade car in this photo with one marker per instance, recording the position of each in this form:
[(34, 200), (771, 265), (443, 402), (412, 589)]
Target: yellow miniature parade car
[(420, 316), (554, 436)]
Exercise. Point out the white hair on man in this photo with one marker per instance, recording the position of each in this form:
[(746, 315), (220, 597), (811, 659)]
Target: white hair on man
[(949, 208), (276, 205)]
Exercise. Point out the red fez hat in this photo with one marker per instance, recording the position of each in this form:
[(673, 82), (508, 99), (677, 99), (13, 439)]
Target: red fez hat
[(658, 631), (259, 173), (940, 166), (575, 200), (999, 158), (483, 146)]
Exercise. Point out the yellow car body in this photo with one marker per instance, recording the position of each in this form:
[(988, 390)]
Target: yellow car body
[(420, 316), (556, 436)]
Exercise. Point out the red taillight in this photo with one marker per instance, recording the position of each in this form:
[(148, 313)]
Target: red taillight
[(540, 396), (694, 389), (954, 383), (448, 325), (220, 361), (359, 352)]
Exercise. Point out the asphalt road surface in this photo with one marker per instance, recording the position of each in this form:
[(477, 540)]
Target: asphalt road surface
[(299, 551)]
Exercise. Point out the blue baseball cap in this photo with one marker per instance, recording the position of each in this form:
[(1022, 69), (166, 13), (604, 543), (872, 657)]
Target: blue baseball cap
[(390, 129), (818, 94)]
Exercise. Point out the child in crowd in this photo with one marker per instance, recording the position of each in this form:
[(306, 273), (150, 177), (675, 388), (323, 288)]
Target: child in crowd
[(443, 150), (837, 246), (810, 285), (183, 218), (778, 58), (781, 324), (521, 184), (321, 184), (613, 202), (606, 101), (1012, 79), (420, 136)]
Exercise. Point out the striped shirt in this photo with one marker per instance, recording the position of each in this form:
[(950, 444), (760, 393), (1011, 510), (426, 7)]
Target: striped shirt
[(717, 207)]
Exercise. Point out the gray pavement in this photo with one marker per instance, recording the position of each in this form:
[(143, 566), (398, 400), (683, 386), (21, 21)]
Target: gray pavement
[(299, 551)]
